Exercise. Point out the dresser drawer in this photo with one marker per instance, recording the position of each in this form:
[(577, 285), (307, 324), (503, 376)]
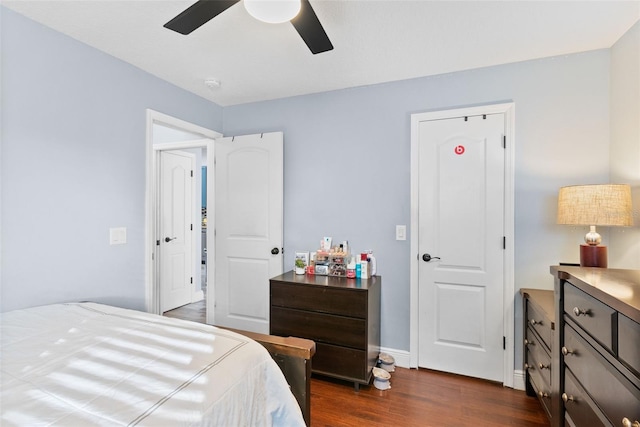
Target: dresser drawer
[(342, 362), (541, 388), (629, 346), (580, 408), (593, 316), (538, 358), (615, 395), (537, 320), (319, 327), (344, 302)]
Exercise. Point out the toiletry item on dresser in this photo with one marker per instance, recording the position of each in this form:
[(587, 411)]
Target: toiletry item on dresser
[(372, 262), (365, 266), (365, 270), (351, 268)]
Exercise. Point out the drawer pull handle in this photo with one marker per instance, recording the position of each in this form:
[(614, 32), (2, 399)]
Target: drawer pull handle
[(626, 422), (527, 342), (566, 351), (567, 398), (581, 311), (535, 322), (528, 367), (543, 366), (543, 394)]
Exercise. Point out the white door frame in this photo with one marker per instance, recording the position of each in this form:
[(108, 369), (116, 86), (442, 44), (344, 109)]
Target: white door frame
[(509, 287), (151, 273)]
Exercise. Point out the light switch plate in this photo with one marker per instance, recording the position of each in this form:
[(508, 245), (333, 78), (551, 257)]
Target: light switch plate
[(401, 232), (117, 236)]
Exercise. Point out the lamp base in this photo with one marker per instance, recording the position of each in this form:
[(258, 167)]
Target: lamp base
[(593, 256)]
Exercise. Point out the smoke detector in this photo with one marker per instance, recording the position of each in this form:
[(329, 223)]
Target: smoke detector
[(212, 83)]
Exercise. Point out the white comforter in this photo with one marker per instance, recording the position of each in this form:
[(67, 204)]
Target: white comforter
[(91, 364)]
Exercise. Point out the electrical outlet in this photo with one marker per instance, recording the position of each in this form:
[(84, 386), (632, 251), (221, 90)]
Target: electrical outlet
[(401, 232), (118, 236)]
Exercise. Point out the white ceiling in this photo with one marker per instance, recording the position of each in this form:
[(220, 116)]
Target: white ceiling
[(375, 40)]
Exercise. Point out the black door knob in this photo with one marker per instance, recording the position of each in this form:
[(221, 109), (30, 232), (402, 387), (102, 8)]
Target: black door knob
[(275, 251), (168, 239), (427, 257)]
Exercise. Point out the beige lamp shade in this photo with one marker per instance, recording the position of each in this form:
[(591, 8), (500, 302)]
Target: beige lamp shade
[(604, 204)]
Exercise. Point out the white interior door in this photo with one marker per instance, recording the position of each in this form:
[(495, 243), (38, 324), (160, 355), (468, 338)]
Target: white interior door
[(248, 228), (461, 221), (176, 229)]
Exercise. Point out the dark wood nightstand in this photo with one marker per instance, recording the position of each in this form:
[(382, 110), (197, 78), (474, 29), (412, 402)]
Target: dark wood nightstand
[(341, 315)]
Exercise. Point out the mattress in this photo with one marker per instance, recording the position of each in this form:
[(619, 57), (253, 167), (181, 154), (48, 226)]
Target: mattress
[(87, 364)]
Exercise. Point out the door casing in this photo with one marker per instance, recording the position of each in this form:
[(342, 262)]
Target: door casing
[(508, 109)]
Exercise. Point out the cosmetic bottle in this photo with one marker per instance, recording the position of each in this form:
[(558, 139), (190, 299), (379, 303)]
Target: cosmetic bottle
[(351, 268)]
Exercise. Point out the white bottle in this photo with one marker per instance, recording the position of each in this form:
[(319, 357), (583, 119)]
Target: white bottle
[(372, 262), (364, 270)]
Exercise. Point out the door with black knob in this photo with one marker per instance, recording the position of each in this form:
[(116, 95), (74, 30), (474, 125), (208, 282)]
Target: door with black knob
[(461, 219)]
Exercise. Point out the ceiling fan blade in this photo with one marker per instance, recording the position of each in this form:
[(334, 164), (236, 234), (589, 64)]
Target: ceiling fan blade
[(310, 29), (198, 14)]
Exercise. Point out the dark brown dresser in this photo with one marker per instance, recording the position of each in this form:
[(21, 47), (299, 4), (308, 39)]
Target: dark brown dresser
[(596, 348), (341, 315), (539, 328)]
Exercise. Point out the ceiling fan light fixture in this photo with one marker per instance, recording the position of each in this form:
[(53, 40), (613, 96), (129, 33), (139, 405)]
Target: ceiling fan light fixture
[(273, 11)]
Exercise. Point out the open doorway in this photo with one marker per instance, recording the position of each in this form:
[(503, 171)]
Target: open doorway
[(168, 134)]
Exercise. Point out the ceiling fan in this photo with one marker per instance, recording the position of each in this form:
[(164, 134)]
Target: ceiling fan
[(305, 21)]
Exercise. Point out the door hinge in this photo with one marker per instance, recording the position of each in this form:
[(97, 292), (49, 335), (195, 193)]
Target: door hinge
[(504, 141), (504, 242), (191, 227), (191, 173), (192, 280), (504, 343)]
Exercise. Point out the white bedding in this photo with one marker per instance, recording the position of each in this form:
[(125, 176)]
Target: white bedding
[(90, 364)]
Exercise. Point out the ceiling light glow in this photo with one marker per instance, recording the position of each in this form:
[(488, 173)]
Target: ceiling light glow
[(273, 11)]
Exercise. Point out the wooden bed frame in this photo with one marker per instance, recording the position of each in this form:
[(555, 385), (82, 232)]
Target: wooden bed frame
[(293, 356)]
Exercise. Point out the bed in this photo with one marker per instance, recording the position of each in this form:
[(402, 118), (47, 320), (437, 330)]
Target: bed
[(93, 364)]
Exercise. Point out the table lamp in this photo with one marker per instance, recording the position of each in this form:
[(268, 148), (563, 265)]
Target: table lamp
[(603, 204)]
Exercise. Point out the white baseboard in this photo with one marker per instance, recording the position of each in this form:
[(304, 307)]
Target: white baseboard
[(403, 360), (197, 296), (518, 380), (401, 357)]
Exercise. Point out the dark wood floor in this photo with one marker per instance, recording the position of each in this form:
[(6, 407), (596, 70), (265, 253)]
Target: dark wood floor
[(417, 397), (196, 312)]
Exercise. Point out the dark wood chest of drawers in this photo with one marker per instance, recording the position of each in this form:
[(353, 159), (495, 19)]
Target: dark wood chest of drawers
[(341, 315), (597, 362), (539, 329)]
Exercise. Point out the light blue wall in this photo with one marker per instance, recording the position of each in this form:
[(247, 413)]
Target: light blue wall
[(347, 163), (73, 165)]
